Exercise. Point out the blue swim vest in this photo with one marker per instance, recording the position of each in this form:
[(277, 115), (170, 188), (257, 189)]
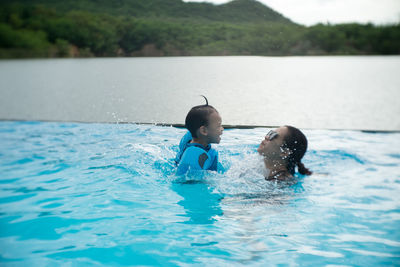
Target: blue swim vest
[(192, 155)]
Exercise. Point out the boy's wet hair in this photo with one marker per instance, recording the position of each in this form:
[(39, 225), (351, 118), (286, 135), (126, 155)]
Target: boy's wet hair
[(198, 116)]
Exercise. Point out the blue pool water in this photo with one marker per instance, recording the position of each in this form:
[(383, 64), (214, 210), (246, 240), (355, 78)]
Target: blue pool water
[(105, 194)]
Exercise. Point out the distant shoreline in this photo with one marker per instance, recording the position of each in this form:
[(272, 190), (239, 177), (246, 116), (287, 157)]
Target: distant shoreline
[(202, 56)]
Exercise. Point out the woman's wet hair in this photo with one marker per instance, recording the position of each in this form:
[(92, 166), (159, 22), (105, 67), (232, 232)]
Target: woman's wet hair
[(296, 142), (198, 116)]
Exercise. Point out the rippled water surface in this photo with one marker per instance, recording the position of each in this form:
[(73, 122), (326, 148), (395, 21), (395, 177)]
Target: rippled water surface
[(106, 194)]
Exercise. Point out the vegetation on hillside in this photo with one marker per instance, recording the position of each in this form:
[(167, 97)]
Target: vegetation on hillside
[(82, 28)]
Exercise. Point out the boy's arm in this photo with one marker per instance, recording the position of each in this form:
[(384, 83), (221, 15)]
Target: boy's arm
[(216, 165)]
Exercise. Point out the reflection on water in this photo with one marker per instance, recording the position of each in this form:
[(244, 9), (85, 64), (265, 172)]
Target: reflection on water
[(201, 205)]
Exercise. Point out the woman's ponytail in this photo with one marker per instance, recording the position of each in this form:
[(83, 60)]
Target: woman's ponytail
[(302, 169)]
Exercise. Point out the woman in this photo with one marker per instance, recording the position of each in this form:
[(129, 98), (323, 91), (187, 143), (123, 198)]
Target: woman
[(283, 150)]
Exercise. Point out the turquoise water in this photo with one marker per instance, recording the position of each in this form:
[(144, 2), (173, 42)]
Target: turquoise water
[(105, 194)]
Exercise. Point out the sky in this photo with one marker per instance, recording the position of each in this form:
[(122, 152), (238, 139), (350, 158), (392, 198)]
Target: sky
[(310, 12)]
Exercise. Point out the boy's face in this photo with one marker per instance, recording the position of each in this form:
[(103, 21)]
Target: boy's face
[(214, 128)]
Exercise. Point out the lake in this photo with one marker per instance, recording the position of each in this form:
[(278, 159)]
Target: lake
[(341, 92)]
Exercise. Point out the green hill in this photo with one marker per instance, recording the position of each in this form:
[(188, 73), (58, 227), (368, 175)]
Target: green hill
[(85, 28), (236, 11)]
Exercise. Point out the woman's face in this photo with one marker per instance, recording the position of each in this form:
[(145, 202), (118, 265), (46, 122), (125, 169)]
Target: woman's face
[(270, 146)]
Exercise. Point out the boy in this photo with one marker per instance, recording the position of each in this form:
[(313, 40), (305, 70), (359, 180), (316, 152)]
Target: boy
[(195, 152)]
